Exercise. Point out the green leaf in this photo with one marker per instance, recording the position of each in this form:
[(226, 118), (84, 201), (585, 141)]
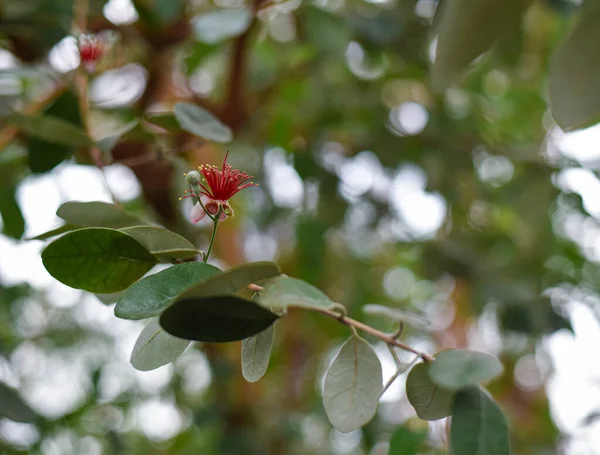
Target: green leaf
[(466, 30), (233, 280), (151, 295), (107, 143), (13, 407), (109, 299), (478, 425), (97, 214), (45, 155), (282, 292), (201, 123), (397, 314), (353, 385), (162, 243), (431, 402), (97, 260), (221, 25), (54, 232), (165, 120), (12, 218), (155, 348), (215, 319), (574, 73), (406, 442), (454, 369), (51, 129), (256, 352)]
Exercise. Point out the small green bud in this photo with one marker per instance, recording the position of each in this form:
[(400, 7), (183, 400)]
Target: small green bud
[(193, 177)]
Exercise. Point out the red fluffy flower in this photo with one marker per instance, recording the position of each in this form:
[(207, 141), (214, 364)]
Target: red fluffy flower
[(90, 51), (217, 187)]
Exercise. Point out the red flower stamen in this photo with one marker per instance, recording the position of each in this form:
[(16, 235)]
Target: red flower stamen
[(222, 184), (90, 49)]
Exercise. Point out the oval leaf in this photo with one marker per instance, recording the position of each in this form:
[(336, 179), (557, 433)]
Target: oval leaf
[(155, 347), (256, 352), (165, 120), (282, 292), (162, 243), (431, 402), (52, 129), (466, 30), (54, 232), (478, 425), (97, 260), (457, 368), (397, 315), (574, 73), (13, 407), (201, 123), (216, 319), (233, 280), (149, 296), (97, 214), (353, 385)]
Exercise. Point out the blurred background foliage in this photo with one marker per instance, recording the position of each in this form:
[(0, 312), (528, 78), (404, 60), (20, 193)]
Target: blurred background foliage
[(468, 204)]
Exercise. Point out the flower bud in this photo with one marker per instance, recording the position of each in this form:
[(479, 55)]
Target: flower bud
[(193, 177)]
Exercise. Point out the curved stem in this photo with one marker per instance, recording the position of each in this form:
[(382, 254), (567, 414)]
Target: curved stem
[(214, 233)]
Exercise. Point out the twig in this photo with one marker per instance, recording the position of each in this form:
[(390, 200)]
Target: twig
[(388, 339)]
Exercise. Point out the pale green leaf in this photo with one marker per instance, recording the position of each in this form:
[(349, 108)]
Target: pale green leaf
[(155, 347), (457, 368), (217, 26), (162, 243), (202, 123), (466, 29), (282, 292), (353, 385), (397, 314), (256, 352), (431, 402)]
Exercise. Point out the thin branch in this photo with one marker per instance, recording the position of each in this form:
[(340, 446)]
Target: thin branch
[(388, 339)]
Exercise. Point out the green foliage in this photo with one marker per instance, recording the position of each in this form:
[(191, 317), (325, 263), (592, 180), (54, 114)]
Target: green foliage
[(12, 218), (44, 155), (353, 385), (151, 295), (97, 214), (164, 245), (201, 123), (256, 352), (97, 260), (397, 315), (216, 319), (13, 407), (282, 292), (574, 73), (155, 348), (455, 369), (51, 129), (431, 402), (478, 425)]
